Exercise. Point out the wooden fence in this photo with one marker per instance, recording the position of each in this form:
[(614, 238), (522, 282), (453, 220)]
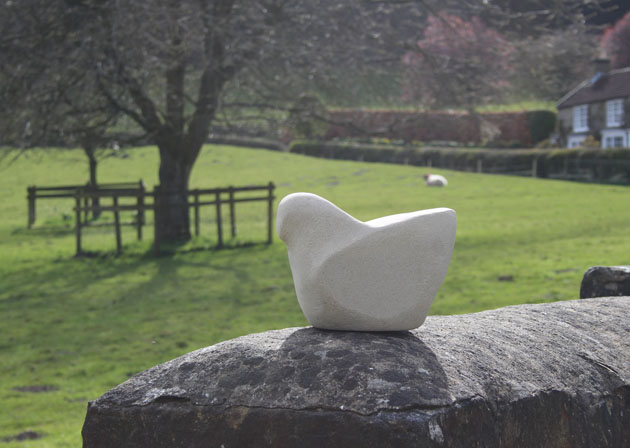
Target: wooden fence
[(90, 201), (197, 198), (70, 191), (218, 198)]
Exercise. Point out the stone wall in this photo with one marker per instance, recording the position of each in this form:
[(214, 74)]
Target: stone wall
[(546, 375)]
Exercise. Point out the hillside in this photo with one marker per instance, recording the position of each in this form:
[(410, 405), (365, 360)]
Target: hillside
[(74, 327)]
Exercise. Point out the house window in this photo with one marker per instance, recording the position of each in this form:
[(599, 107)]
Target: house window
[(614, 142), (614, 138), (580, 118), (614, 113)]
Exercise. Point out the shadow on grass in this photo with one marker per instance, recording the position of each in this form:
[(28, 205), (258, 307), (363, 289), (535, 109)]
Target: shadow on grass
[(47, 231), (98, 267), (185, 247)]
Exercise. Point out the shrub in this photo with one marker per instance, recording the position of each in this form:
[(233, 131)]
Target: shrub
[(541, 124)]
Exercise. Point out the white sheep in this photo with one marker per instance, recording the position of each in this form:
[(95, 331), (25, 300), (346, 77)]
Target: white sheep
[(435, 180)]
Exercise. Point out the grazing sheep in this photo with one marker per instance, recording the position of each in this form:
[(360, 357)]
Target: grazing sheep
[(435, 180)]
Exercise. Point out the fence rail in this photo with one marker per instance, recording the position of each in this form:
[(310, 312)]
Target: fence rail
[(70, 191), (195, 200)]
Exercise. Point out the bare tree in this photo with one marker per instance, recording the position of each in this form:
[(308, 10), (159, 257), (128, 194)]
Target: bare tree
[(50, 101)]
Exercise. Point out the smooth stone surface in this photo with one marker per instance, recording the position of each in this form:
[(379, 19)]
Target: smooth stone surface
[(380, 275), (605, 281), (545, 375)]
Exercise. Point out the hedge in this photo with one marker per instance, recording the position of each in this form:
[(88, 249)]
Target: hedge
[(497, 129), (249, 142), (609, 165)]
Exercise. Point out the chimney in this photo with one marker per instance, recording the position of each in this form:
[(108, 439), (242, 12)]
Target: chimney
[(601, 65)]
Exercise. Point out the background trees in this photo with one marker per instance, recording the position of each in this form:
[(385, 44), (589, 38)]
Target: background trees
[(48, 88), (457, 63), (72, 68), (549, 65), (170, 66), (616, 42)]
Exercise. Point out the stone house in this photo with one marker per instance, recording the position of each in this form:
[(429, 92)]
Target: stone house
[(599, 107)]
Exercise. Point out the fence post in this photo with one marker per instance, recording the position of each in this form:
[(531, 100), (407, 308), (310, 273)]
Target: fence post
[(117, 226), (429, 163), (156, 233), (143, 192), (86, 202), (77, 214), (31, 206), (217, 196), (232, 216), (140, 212), (271, 187), (535, 167), (479, 166), (196, 204)]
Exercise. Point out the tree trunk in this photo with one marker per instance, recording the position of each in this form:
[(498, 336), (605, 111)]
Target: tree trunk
[(89, 151), (172, 221), (93, 166)]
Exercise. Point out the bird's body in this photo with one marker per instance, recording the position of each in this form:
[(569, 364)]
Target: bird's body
[(380, 275), (435, 180)]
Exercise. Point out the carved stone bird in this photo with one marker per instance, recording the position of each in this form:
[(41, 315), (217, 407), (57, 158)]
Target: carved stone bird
[(379, 275)]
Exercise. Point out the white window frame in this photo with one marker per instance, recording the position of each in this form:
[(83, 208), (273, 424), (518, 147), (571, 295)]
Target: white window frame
[(614, 113), (609, 136), (580, 118)]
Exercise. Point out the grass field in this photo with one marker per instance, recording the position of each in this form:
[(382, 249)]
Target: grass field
[(71, 328)]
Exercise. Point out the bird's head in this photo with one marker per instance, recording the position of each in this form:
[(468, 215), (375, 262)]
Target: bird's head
[(294, 212), (305, 218)]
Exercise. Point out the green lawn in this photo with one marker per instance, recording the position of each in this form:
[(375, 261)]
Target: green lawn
[(81, 326)]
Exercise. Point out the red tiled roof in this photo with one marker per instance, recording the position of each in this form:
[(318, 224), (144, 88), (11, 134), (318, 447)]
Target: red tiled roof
[(614, 84)]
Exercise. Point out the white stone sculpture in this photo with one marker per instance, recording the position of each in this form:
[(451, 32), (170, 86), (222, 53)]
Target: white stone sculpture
[(379, 275)]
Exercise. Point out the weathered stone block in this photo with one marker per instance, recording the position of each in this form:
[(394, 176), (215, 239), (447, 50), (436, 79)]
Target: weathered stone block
[(545, 375), (605, 281)]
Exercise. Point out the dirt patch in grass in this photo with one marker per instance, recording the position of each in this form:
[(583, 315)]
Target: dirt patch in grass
[(36, 389), (564, 271), (26, 435)]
